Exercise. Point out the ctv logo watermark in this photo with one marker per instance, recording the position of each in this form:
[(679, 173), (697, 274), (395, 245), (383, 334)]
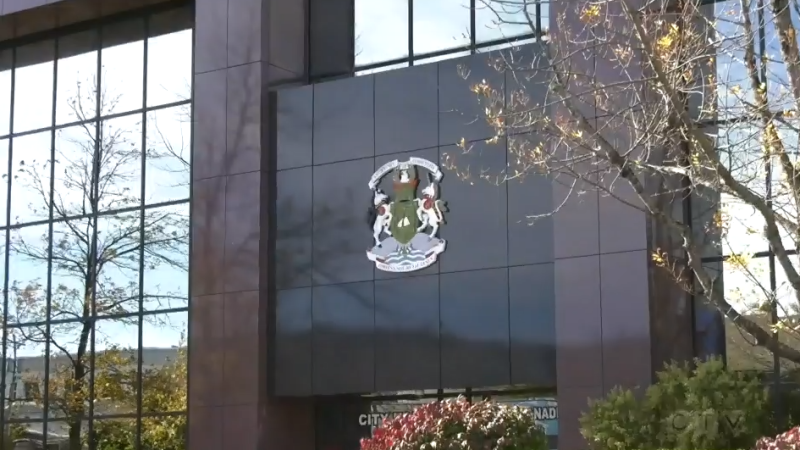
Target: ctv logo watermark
[(709, 422)]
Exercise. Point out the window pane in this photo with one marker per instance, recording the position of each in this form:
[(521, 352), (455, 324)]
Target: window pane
[(441, 25), (544, 10), (2, 272), (120, 181), (71, 345), (743, 226), (166, 253), (76, 96), (116, 357), (122, 60), (783, 201), (118, 239), (120, 432), (164, 364), (3, 180), (788, 310), (747, 289), (30, 183), (709, 330), (503, 19), (381, 32), (733, 87), (26, 348), (74, 150), (779, 88), (33, 87), (27, 274), (71, 253), (169, 148), (169, 68), (5, 92)]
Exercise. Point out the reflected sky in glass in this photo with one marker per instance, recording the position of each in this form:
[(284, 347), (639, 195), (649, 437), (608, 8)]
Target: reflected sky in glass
[(157, 141), (33, 84), (76, 93), (432, 34), (504, 20), (381, 26), (735, 87)]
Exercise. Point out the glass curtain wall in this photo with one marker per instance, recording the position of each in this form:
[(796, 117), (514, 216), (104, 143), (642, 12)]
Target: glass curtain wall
[(397, 33), (95, 145), (752, 281)]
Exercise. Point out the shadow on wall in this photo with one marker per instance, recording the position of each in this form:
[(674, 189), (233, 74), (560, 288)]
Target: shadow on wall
[(459, 353)]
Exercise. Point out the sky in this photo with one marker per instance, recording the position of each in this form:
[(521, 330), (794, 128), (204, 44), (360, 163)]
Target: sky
[(168, 79)]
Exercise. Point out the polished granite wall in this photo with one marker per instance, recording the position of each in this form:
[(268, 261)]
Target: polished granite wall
[(483, 315)]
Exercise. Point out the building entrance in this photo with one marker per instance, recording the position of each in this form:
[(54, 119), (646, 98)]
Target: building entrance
[(342, 421)]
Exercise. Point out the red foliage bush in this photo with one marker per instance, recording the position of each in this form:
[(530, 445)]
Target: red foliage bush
[(789, 440), (458, 424)]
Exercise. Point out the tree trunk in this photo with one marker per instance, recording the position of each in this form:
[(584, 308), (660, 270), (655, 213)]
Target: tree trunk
[(74, 434)]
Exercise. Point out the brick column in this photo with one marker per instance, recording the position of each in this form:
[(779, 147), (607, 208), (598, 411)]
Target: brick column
[(237, 56)]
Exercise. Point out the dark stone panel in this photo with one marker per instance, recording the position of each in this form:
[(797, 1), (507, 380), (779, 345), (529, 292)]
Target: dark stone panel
[(406, 109), (337, 422), (344, 120), (530, 238), (287, 35), (529, 75), (208, 236), (407, 334), (341, 232), (460, 113), (476, 229), (533, 324), (432, 155), (294, 207), (331, 35), (205, 428), (475, 326), (295, 122), (245, 32), (293, 342), (242, 232), (211, 35), (206, 337), (344, 351)]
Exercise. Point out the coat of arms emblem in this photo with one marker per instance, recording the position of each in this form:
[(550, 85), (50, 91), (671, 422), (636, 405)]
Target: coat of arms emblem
[(405, 228)]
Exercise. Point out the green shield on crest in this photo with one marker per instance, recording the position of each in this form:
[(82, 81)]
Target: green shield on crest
[(404, 212)]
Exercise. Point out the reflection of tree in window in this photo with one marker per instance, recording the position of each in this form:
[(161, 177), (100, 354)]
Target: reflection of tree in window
[(101, 232), (31, 388)]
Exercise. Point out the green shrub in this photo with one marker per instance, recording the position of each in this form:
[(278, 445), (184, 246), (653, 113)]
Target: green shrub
[(458, 424), (706, 407)]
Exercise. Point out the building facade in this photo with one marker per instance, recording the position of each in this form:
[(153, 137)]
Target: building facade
[(196, 176)]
